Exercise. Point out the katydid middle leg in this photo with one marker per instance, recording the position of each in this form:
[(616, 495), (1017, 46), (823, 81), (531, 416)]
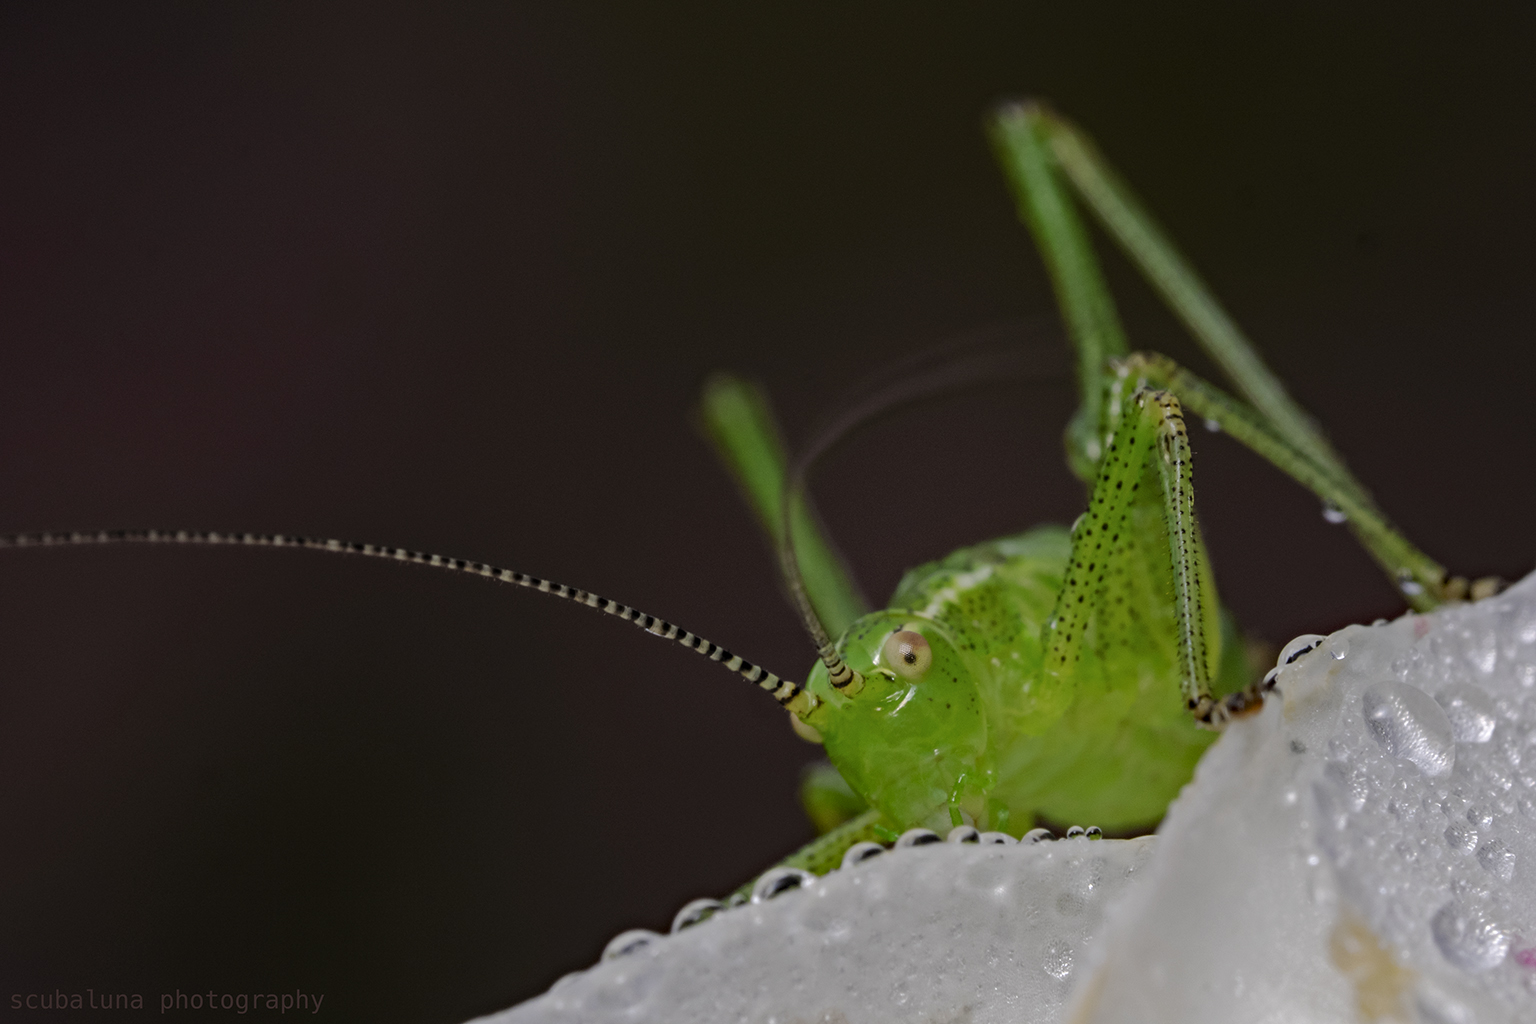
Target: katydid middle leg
[(1421, 579)]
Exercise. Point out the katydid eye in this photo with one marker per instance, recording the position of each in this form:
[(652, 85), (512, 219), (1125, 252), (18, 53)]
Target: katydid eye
[(907, 653)]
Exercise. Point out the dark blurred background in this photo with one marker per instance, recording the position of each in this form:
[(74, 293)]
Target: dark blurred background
[(448, 276)]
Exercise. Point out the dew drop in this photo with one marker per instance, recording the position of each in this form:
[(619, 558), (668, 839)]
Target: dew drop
[(1058, 960), (777, 881), (694, 913), (963, 834), (628, 942), (1467, 938), (1076, 832), (1213, 426), (1408, 723), (918, 837), (1460, 837), (1037, 835), (1338, 647), (1471, 712), (1297, 647), (1497, 859), (1333, 514), (858, 853)]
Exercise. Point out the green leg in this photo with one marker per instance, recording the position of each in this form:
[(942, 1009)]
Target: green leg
[(827, 798), (1138, 235), (1039, 148), (737, 419), (1421, 579), (1086, 304), (1117, 573), (825, 853)]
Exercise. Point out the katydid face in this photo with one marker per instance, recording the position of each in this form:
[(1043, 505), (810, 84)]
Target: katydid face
[(913, 742)]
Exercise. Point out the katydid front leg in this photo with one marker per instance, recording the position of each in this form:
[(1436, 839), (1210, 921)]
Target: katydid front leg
[(1139, 533)]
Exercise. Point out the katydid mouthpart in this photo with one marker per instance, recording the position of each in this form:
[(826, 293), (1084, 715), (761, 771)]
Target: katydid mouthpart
[(1069, 675)]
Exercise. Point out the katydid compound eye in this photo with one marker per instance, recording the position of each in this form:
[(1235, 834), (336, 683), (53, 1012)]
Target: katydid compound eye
[(907, 653)]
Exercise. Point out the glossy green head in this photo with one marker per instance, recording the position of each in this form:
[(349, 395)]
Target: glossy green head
[(913, 741)]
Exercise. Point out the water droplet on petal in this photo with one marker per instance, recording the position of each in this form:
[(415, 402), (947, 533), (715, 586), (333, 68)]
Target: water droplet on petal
[(963, 834), (1094, 832), (858, 853), (777, 881), (1471, 712), (1298, 647), (996, 839), (1038, 835), (1058, 960), (1338, 647), (1459, 837), (1468, 938), (1497, 859), (695, 912), (1408, 723), (1076, 831), (1333, 514), (628, 942), (918, 837)]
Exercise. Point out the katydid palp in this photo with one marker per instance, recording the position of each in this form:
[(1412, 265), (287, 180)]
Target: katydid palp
[(1057, 673)]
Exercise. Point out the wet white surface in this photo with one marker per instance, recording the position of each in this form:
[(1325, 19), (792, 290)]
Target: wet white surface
[(1364, 849), (933, 933)]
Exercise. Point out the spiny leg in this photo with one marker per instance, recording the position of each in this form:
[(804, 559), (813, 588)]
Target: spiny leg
[(1421, 579), (737, 419), (1043, 143), (1125, 219), (1101, 595)]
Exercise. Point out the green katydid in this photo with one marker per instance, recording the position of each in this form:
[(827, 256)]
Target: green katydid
[(1058, 673), (1061, 673)]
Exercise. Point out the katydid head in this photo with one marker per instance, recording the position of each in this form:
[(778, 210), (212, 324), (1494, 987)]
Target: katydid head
[(912, 741)]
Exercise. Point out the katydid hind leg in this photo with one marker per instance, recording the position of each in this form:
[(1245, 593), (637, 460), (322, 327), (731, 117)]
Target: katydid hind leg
[(1122, 216), (1047, 209)]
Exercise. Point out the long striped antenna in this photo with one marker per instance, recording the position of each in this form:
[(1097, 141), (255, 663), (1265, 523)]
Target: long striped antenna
[(789, 694)]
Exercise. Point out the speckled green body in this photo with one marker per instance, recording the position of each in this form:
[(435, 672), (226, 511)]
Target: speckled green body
[(988, 735), (1056, 674)]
